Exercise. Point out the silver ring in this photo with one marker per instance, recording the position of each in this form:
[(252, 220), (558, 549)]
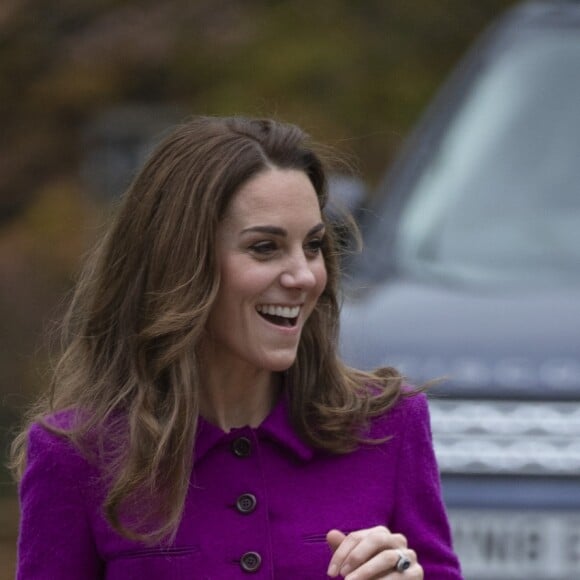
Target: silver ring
[(403, 563)]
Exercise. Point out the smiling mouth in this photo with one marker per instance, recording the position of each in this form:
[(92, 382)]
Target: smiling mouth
[(286, 316)]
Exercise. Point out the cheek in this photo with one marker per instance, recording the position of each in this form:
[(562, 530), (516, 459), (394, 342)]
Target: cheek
[(251, 281), (321, 278), (244, 280)]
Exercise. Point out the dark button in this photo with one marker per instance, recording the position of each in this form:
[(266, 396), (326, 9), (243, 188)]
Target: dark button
[(246, 503), (251, 561), (242, 447)]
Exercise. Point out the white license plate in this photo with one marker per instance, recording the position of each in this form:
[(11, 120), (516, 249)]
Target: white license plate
[(505, 544)]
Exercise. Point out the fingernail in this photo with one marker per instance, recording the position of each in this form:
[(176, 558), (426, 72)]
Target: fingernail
[(332, 570), (345, 570)]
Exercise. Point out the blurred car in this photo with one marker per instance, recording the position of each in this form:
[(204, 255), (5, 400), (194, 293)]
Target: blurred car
[(471, 271)]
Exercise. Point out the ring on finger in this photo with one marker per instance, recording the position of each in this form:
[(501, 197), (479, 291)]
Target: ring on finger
[(403, 562)]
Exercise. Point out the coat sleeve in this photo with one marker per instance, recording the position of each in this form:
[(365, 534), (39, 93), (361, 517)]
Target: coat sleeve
[(419, 512), (55, 537)]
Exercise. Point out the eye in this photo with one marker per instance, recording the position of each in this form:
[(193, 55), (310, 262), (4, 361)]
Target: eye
[(314, 246), (264, 248)]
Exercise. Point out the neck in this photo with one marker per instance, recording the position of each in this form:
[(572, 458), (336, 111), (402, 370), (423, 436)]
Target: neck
[(234, 397)]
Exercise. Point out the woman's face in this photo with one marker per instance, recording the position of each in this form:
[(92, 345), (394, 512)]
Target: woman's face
[(272, 271)]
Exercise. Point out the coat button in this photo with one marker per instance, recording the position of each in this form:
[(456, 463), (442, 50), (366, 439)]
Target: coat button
[(251, 561), (246, 503), (242, 447)]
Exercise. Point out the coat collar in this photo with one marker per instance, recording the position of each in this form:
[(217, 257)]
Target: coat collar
[(275, 427)]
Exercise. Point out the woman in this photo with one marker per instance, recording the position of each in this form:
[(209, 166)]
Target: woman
[(200, 423)]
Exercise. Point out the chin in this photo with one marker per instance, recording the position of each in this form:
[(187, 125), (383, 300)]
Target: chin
[(279, 364)]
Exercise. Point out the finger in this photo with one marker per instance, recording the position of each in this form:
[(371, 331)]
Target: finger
[(334, 539), (374, 541), (375, 567), (360, 546), (406, 559), (342, 551), (384, 564)]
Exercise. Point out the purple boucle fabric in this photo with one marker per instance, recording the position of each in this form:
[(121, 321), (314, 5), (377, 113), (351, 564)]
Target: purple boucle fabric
[(300, 494)]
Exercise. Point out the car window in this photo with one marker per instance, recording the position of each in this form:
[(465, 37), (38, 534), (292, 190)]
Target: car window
[(500, 197)]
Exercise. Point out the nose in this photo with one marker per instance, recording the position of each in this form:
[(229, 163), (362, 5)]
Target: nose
[(298, 273)]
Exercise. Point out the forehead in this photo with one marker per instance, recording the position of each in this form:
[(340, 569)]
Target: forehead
[(272, 195)]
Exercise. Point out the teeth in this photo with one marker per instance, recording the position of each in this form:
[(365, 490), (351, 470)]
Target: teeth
[(283, 311)]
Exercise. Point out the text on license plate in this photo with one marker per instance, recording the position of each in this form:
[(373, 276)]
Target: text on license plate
[(494, 544)]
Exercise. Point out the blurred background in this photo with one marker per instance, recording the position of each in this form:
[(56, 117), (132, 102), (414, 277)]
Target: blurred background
[(84, 86)]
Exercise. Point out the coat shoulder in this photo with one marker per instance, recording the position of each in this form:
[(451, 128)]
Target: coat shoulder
[(410, 412)]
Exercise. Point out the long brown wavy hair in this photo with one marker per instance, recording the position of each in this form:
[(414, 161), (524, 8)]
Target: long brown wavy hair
[(128, 377)]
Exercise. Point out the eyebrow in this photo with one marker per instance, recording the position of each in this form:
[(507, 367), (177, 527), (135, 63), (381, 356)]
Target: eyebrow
[(276, 231)]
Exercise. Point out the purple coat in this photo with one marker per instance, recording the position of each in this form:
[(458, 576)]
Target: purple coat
[(260, 504)]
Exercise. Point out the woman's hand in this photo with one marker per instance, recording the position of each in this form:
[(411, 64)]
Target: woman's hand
[(371, 554)]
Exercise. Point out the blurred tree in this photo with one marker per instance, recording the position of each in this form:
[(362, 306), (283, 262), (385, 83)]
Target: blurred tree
[(355, 74)]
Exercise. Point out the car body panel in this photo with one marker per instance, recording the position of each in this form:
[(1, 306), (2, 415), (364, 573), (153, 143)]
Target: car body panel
[(471, 274)]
